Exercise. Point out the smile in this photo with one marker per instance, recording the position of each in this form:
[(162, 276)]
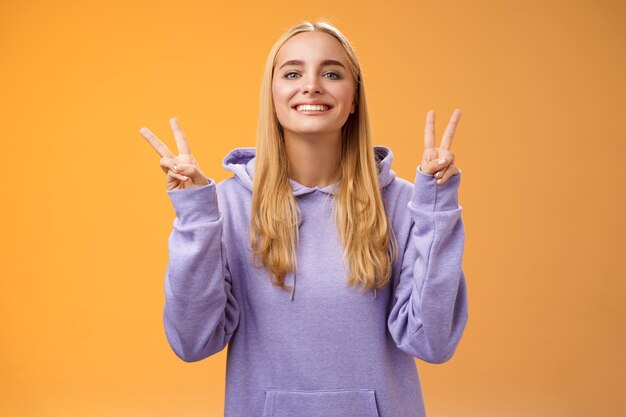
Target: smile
[(312, 108)]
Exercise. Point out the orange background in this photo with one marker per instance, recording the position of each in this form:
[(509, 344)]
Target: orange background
[(85, 217)]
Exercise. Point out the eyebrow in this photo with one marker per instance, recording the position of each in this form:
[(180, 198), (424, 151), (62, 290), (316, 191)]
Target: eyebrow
[(324, 63)]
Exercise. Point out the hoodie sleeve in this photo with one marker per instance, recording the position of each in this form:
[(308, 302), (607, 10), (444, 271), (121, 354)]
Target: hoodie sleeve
[(200, 312), (429, 310)]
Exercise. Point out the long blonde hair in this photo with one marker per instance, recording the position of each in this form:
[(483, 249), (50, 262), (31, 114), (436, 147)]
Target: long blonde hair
[(370, 246)]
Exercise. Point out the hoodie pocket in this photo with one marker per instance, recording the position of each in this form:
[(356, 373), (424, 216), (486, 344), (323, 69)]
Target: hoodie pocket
[(320, 403)]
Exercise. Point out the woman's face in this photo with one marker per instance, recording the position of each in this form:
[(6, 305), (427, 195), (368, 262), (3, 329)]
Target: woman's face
[(311, 67)]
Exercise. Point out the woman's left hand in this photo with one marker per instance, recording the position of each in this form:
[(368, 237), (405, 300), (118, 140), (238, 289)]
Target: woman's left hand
[(433, 156)]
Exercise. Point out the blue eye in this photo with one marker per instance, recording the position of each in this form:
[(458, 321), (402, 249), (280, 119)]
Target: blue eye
[(335, 76)]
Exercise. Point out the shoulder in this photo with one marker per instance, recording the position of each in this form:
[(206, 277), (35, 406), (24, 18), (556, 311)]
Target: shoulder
[(399, 188), (226, 185), (230, 190)]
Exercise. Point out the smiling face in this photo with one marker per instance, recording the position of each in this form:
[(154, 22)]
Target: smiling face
[(312, 68)]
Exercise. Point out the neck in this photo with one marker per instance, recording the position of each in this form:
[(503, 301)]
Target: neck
[(314, 160)]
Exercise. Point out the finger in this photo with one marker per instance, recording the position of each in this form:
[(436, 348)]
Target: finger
[(168, 164), (448, 135), (429, 130), (439, 163), (192, 172), (432, 166), (186, 169), (441, 172), (445, 167), (156, 143), (452, 170), (179, 176), (181, 141)]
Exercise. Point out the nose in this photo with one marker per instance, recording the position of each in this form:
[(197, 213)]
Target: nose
[(311, 84)]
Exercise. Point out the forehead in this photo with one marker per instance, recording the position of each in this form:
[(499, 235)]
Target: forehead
[(312, 46)]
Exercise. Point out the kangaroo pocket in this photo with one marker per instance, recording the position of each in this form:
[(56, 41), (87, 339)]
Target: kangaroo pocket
[(320, 403)]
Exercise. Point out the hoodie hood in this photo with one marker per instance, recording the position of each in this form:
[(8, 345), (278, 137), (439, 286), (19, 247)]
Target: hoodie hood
[(241, 162)]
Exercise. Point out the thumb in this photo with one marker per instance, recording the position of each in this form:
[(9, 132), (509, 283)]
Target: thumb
[(193, 172), (432, 166)]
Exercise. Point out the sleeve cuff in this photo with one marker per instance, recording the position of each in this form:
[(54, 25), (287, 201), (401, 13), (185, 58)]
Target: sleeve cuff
[(428, 195), (196, 204)]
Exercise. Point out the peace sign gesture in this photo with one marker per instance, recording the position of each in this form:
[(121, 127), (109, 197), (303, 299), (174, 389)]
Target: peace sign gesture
[(182, 170), (439, 161)]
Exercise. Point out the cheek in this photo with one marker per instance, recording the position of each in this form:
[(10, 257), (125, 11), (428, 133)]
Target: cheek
[(347, 96), (280, 96), (281, 102), (344, 90)]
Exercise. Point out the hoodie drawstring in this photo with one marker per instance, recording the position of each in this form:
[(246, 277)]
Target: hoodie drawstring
[(293, 288)]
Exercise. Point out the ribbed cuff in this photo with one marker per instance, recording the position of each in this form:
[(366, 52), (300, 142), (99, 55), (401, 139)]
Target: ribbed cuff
[(196, 204), (428, 195)]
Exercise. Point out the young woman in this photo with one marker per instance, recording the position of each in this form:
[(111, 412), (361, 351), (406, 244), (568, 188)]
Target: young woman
[(275, 261)]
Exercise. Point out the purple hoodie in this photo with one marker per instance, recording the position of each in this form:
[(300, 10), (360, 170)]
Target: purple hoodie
[(325, 349)]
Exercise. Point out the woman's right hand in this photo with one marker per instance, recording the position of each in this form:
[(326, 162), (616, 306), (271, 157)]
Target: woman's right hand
[(182, 171)]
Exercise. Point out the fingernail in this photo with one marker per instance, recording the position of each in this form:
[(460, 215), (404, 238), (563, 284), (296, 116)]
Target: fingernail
[(442, 161), (185, 178), (438, 181), (175, 169)]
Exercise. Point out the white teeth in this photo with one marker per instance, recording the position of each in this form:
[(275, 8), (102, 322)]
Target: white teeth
[(308, 107)]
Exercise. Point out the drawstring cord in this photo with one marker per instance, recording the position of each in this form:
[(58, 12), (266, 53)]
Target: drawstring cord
[(293, 289)]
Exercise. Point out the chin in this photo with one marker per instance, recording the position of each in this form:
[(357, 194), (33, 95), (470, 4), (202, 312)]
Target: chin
[(314, 131)]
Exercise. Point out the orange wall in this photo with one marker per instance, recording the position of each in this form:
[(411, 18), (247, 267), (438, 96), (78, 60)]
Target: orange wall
[(85, 217)]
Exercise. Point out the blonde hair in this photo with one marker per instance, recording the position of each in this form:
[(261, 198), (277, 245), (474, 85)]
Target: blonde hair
[(370, 246)]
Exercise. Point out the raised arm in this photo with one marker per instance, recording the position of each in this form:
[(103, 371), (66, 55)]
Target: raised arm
[(430, 308), (200, 313)]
